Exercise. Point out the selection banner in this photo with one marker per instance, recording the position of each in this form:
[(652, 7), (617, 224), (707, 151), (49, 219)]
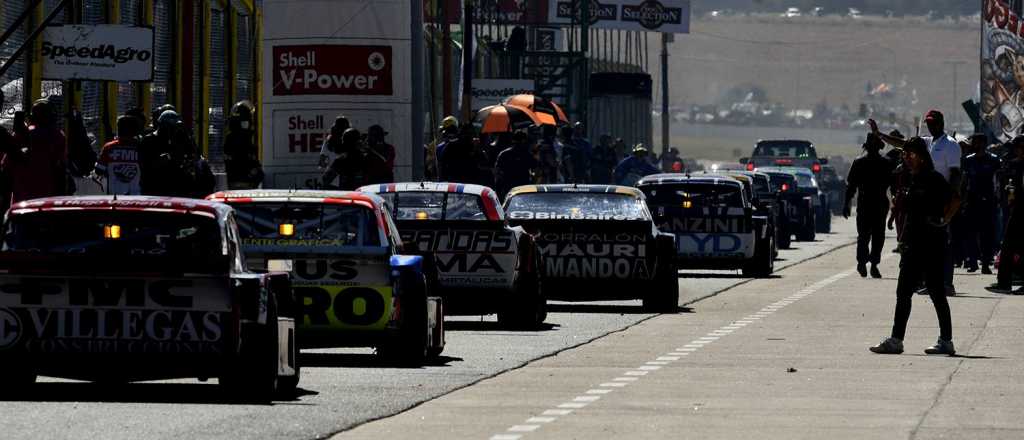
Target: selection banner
[(665, 16)]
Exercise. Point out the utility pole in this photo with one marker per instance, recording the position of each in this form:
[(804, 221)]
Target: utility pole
[(584, 69), (446, 59), (956, 100), (416, 43), (666, 38), (467, 61)]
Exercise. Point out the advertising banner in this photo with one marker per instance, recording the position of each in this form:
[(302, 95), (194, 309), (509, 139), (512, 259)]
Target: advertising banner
[(491, 11), (666, 16), (97, 52), (338, 69), (1002, 70), (493, 91)]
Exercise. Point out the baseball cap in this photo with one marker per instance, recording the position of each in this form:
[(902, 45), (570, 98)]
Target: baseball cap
[(933, 115), (639, 148)]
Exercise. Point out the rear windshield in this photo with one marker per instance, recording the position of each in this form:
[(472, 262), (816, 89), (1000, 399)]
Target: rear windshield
[(761, 185), (327, 224), (424, 205), (805, 181), (185, 242), (785, 149), (777, 179), (594, 206), (699, 195)]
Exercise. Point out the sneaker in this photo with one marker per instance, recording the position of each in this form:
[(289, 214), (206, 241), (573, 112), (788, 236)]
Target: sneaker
[(986, 270), (950, 291), (941, 347), (874, 272), (999, 288), (888, 346), (862, 269)]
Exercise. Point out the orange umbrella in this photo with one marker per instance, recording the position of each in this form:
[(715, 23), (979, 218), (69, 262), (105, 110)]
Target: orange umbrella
[(503, 118), (547, 110)]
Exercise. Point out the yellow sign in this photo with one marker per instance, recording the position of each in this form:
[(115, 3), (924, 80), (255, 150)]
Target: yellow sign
[(338, 307)]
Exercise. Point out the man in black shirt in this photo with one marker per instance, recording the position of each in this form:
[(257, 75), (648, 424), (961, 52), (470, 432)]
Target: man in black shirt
[(980, 168), (514, 166), (869, 180)]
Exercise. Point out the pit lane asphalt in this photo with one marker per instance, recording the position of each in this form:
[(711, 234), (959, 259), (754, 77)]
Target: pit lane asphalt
[(342, 389)]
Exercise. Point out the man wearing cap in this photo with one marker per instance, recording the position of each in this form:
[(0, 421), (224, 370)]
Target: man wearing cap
[(380, 157), (635, 167), (869, 180), (946, 154)]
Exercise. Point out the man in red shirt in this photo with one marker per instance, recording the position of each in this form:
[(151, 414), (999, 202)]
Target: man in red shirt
[(119, 161), (38, 169)]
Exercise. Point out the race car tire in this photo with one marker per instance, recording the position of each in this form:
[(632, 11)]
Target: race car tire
[(528, 308), (763, 263), (785, 238), (409, 346), (665, 296), (808, 232), (824, 222), (16, 379), (253, 375)]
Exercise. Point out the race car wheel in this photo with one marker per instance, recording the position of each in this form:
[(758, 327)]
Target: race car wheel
[(16, 379), (665, 296), (253, 376), (785, 240), (807, 234), (763, 264), (409, 345), (528, 308)]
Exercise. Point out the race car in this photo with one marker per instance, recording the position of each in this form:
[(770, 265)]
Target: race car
[(597, 242), (715, 224), (799, 217), (807, 184), (140, 288), (758, 191), (355, 286), (483, 265)]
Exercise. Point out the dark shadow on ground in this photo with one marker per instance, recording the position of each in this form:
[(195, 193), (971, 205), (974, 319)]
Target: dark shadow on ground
[(1003, 292), (365, 360), (959, 295), (956, 356), (609, 308), (143, 392), (728, 276), (494, 326)]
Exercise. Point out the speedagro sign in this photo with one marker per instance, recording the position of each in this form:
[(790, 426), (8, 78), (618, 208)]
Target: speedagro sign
[(97, 52)]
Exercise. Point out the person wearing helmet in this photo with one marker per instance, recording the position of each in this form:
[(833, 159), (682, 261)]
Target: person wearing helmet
[(635, 167), (449, 133), (120, 162), (349, 168), (154, 120), (460, 160), (515, 165), (241, 160), (155, 145)]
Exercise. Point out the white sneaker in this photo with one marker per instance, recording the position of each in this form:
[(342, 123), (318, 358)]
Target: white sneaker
[(941, 347), (888, 346)]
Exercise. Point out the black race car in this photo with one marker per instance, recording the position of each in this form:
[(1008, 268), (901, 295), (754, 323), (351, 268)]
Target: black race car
[(798, 209), (598, 242)]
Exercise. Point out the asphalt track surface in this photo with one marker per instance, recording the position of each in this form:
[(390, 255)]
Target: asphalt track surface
[(343, 389)]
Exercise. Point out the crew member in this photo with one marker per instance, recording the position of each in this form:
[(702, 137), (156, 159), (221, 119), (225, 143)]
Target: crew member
[(869, 180), (980, 168), (931, 204), (635, 167)]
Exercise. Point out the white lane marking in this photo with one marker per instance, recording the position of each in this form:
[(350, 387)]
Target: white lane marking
[(524, 428), (593, 395)]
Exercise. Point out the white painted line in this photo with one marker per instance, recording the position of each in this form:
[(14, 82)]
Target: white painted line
[(598, 391), (692, 346), (586, 399), (541, 419), (556, 412), (743, 322), (656, 362), (709, 338), (614, 384), (649, 367), (636, 373), (668, 358), (733, 327), (626, 379), (524, 428), (572, 405), (506, 437), (687, 348), (702, 342)]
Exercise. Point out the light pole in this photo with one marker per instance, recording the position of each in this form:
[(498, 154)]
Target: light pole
[(956, 100), (666, 38)]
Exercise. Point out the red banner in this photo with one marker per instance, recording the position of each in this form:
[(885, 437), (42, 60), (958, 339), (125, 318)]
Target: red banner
[(332, 70)]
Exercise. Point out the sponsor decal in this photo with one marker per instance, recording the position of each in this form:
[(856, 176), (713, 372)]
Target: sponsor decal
[(705, 225), (502, 241), (717, 245), (323, 272), (285, 242), (332, 70), (493, 91), (344, 307), (10, 329), (468, 258), (115, 293), (598, 11), (97, 52), (651, 14), (530, 215), (595, 255)]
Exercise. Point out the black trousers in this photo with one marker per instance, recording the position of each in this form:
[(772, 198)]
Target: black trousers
[(870, 233), (1013, 242), (981, 232), (924, 262)]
